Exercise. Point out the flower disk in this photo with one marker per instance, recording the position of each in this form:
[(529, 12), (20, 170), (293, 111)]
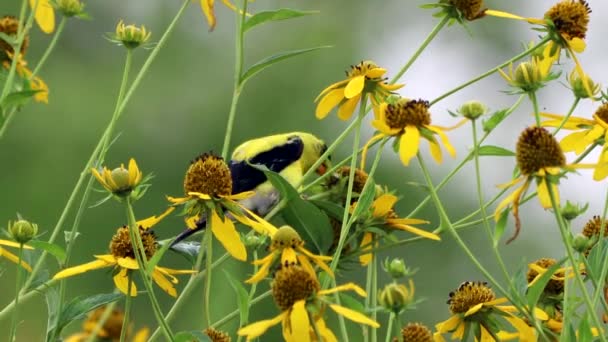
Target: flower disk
[(217, 336), (471, 9), (110, 329), (208, 174), (538, 149), (592, 227), (121, 247), (602, 112), (468, 295), (554, 286), (292, 284), (416, 332), (9, 25), (408, 112), (359, 180), (571, 18)]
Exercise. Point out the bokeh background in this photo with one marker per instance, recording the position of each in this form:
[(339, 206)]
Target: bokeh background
[(180, 111)]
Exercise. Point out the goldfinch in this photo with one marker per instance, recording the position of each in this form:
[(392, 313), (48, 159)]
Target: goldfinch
[(290, 154)]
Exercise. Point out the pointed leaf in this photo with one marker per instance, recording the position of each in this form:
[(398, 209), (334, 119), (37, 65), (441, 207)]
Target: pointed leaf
[(520, 281), (79, 307), (187, 249), (494, 120), (365, 199), (538, 287), (280, 14), (265, 63), (242, 295), (53, 249), (490, 150), (332, 209), (51, 295)]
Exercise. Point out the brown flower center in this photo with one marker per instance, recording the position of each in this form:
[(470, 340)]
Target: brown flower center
[(208, 174), (9, 25), (217, 336), (571, 18), (602, 112), (468, 295), (121, 247), (360, 69), (471, 9), (537, 149), (592, 227), (554, 286), (111, 328), (292, 284), (416, 332), (408, 112), (359, 180)]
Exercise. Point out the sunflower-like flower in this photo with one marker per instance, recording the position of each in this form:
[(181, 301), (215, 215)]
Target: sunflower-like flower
[(540, 158), (415, 332), (120, 181), (208, 188), (9, 25), (12, 257), (382, 214), (122, 258), (566, 24), (363, 78), (459, 10), (532, 75), (408, 121), (110, 329), (44, 15), (586, 132), (474, 303), (302, 303), (287, 243)]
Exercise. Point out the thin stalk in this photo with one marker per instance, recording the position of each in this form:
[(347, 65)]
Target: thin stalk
[(604, 272), (561, 125), (374, 295), (25, 297), (208, 263), (238, 71), (13, 332), (128, 301), (142, 262), (491, 71), (252, 291), (21, 32), (51, 46), (570, 252), (389, 327), (7, 120), (398, 327), (236, 312), (368, 300), (534, 101), (422, 47)]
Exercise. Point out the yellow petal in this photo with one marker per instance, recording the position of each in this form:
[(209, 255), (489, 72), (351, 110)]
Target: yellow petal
[(240, 196), (417, 231), (526, 332), (142, 335), (134, 173), (199, 195), (406, 221), (375, 72), (502, 14), (366, 242), (366, 148), (354, 86), (93, 265), (328, 102), (485, 335), (226, 234), (14, 244), (572, 142), (450, 324), (300, 324), (14, 258), (121, 280), (409, 144), (444, 140), (435, 151), (319, 260), (167, 271), (383, 205), (345, 287), (164, 283), (326, 334), (391, 87), (354, 316), (127, 262), (288, 256), (45, 15), (506, 202), (474, 309), (307, 266), (208, 11), (153, 220), (330, 88), (178, 200), (345, 111), (577, 44), (258, 328)]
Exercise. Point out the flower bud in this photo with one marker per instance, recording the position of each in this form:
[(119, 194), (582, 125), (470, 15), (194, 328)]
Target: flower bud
[(253, 241), (70, 8), (131, 36), (571, 211), (22, 231), (472, 109), (578, 86), (582, 244), (528, 76), (396, 268), (396, 297)]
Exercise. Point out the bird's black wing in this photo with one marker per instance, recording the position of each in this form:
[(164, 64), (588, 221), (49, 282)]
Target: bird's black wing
[(246, 178)]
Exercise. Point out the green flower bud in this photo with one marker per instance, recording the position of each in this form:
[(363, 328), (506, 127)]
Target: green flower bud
[(571, 211), (70, 8), (253, 241), (582, 244), (472, 109), (131, 36), (396, 268), (528, 76), (22, 231), (396, 297), (578, 87)]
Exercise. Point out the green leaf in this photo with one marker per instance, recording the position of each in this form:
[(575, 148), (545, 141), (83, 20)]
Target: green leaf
[(499, 228), (311, 223), (51, 295), (80, 306), (491, 150), (538, 287), (280, 14), (568, 333), (266, 62), (53, 249), (16, 99), (332, 209), (365, 199), (494, 120), (584, 329), (352, 303), (242, 295), (520, 281), (191, 336)]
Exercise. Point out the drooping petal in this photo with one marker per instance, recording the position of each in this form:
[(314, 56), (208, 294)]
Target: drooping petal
[(177, 200), (326, 334), (300, 323), (417, 231), (543, 194), (99, 177), (44, 15), (444, 139), (485, 335), (502, 14), (142, 335), (354, 86), (330, 88), (406, 221), (450, 324), (366, 148), (171, 271), (14, 258), (473, 309), (9, 243), (121, 280), (208, 11), (366, 244), (507, 201), (199, 195), (345, 287), (577, 45), (346, 109), (89, 266), (435, 151), (240, 196), (354, 316), (409, 144), (164, 283), (328, 102), (225, 232), (153, 220), (526, 333), (306, 265), (257, 329), (383, 205)]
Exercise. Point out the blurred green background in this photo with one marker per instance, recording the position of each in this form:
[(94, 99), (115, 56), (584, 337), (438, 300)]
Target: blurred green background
[(180, 111)]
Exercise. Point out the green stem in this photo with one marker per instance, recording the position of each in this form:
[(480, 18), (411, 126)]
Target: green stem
[(238, 71), (374, 295), (534, 101), (142, 262), (423, 46), (601, 281), (13, 331), (125, 321), (236, 312), (51, 46), (561, 125), (566, 239), (208, 263), (389, 327), (21, 33), (491, 71), (398, 327), (252, 291), (368, 300), (7, 120)]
